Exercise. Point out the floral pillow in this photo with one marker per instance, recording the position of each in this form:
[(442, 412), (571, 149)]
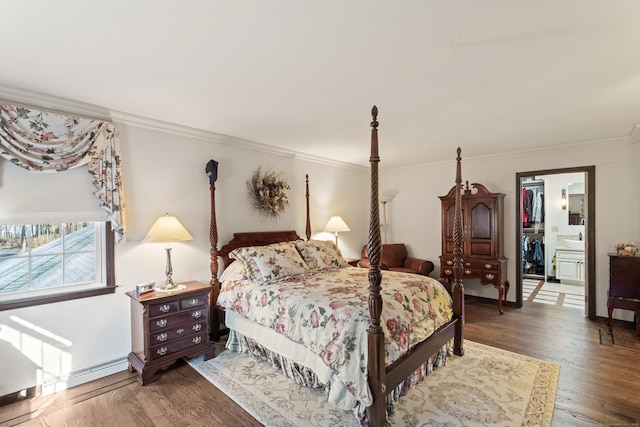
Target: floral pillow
[(272, 262), (321, 254), (235, 271)]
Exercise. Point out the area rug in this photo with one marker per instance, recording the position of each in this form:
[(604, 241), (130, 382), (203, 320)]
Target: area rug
[(485, 387)]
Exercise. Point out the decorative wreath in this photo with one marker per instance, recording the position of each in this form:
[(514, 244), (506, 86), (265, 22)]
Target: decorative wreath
[(267, 191)]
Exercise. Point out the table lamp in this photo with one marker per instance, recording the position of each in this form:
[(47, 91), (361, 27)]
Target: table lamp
[(335, 225), (167, 229)]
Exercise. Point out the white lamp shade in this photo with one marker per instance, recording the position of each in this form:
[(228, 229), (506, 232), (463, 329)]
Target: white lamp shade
[(336, 224), (167, 229)]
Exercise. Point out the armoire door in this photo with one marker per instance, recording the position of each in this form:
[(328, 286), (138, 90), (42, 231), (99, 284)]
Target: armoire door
[(480, 231)]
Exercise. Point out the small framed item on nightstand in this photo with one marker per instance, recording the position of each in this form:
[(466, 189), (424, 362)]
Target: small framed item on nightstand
[(145, 287)]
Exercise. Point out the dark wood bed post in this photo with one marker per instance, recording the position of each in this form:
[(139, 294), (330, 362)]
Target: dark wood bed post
[(457, 290), (214, 315), (376, 364), (308, 228)]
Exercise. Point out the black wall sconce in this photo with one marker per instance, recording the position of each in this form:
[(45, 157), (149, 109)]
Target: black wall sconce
[(564, 199)]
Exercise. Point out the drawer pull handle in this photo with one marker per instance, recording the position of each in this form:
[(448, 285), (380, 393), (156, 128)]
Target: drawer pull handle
[(468, 264), (180, 331), (467, 272), (196, 314), (193, 301), (448, 272), (162, 323), (162, 337), (490, 276), (162, 351), (165, 308), (197, 340), (197, 327), (487, 266), (449, 262)]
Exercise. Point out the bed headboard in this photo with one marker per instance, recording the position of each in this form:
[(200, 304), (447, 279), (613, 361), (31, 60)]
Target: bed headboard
[(239, 240), (258, 238)]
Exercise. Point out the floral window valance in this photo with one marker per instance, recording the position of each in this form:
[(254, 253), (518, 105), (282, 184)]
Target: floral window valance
[(42, 141)]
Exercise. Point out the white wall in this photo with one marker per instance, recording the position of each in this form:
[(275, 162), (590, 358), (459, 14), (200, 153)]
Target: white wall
[(415, 211), (165, 172)]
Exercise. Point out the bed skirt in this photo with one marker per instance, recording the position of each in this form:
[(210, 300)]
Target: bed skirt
[(307, 370)]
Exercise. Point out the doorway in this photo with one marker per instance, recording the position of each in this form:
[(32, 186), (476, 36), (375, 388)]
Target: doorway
[(587, 219)]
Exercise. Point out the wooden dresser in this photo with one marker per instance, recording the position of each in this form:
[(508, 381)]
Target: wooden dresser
[(624, 287), (483, 238), (166, 326)]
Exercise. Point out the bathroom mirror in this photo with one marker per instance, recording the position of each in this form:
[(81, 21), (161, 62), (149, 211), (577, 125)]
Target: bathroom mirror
[(576, 203)]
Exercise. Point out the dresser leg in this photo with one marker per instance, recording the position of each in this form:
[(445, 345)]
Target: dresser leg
[(637, 319), (610, 312), (501, 294), (506, 290)]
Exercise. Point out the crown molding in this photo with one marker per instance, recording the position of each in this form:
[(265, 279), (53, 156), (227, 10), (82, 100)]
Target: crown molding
[(29, 98), (57, 104), (569, 147), (189, 132)]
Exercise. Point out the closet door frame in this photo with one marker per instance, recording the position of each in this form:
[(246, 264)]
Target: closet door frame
[(590, 231)]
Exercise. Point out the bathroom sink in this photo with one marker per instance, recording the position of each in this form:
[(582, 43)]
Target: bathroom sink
[(574, 244)]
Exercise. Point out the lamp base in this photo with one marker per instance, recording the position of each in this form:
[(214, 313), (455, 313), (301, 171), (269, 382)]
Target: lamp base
[(169, 286)]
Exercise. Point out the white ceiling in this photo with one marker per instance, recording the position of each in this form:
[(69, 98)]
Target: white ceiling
[(489, 76)]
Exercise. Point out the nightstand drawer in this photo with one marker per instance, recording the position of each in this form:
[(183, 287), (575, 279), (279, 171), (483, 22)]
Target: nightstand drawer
[(177, 332), (164, 308), (196, 301), (171, 347), (177, 319)]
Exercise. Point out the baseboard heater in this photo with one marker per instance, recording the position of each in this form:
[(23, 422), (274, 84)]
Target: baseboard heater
[(83, 376)]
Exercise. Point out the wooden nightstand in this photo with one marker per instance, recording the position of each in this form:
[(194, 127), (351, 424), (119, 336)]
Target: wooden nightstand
[(166, 326)]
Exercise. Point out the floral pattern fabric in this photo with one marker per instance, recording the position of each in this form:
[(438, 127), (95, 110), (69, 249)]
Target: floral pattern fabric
[(327, 312), (320, 254), (49, 142), (271, 262)]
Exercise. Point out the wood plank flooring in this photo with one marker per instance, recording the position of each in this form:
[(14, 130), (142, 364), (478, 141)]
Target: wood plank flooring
[(599, 381)]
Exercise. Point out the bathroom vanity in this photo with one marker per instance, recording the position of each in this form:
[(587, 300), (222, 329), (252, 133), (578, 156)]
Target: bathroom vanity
[(570, 260)]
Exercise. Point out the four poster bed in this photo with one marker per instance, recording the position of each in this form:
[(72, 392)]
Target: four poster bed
[(365, 336)]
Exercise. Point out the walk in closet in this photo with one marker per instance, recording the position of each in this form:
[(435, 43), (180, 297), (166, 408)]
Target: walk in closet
[(532, 215)]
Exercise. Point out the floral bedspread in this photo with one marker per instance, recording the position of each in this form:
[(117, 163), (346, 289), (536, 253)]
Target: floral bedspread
[(328, 313)]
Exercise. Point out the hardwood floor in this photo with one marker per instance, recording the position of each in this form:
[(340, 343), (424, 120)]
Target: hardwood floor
[(599, 381)]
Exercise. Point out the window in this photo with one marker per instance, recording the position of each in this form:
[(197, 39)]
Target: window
[(43, 263)]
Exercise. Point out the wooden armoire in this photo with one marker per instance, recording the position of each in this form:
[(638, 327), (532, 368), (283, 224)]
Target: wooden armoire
[(483, 238)]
